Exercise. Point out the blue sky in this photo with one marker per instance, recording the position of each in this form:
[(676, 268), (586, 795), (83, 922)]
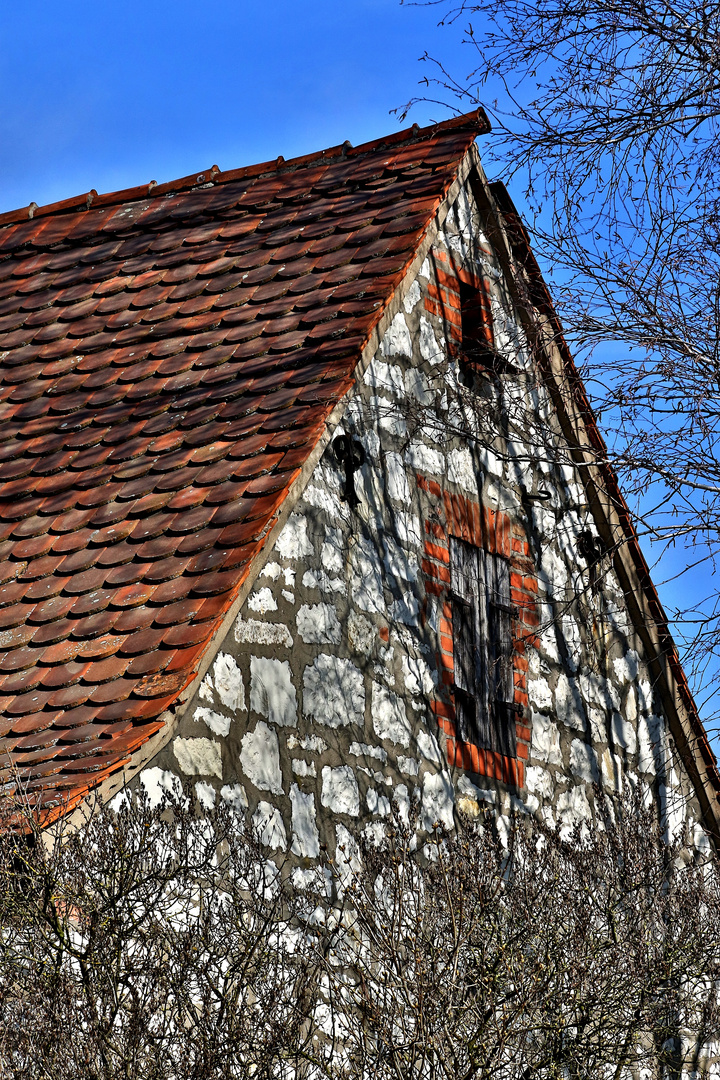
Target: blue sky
[(109, 95)]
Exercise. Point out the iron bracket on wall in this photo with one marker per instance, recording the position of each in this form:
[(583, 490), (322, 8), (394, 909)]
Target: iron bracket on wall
[(351, 455)]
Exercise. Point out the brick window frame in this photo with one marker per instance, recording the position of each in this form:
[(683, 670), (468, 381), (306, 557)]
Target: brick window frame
[(462, 301), (452, 515)]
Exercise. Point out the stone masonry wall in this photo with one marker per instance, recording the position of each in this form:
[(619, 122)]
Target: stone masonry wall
[(332, 698)]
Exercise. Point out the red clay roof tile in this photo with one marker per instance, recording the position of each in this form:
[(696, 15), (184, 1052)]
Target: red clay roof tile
[(159, 391)]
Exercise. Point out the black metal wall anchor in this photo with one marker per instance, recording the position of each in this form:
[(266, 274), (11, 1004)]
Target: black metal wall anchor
[(591, 549), (351, 455)]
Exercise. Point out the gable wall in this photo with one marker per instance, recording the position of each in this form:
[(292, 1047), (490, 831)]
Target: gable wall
[(332, 695)]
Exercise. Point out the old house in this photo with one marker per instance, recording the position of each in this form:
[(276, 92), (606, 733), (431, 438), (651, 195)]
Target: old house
[(302, 501)]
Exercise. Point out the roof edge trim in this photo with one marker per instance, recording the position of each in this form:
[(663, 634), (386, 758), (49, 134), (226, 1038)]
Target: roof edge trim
[(476, 121)]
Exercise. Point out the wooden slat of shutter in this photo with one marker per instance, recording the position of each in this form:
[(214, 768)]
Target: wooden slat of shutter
[(467, 658), (500, 650)]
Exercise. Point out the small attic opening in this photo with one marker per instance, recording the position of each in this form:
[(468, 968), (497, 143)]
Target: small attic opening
[(478, 352)]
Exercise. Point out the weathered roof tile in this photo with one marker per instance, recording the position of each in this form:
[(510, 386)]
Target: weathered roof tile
[(159, 392)]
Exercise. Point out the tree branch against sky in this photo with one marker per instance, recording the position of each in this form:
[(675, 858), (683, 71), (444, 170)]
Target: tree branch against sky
[(606, 116)]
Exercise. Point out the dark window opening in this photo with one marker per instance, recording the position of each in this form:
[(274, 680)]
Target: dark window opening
[(482, 648), (478, 351)]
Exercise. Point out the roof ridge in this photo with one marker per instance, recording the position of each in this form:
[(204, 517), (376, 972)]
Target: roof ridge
[(476, 119)]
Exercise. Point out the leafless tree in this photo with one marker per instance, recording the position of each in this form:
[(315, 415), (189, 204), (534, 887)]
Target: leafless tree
[(160, 942), (605, 115)]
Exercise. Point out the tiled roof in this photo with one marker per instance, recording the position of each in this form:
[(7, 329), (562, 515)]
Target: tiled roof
[(168, 358)]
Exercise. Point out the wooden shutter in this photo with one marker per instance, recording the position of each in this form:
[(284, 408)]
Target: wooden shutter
[(482, 647), (500, 652)]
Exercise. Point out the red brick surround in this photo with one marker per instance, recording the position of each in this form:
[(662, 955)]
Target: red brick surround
[(455, 515), (443, 299)]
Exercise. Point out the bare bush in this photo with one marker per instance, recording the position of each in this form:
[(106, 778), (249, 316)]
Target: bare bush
[(518, 953), (150, 944), (160, 943)]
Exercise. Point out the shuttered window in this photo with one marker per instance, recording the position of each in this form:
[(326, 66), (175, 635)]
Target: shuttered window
[(482, 648)]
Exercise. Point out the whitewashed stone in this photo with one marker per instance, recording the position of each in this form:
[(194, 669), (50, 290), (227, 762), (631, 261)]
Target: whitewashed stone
[(389, 416), (626, 667), (306, 840), (201, 756), (596, 690), (340, 790), (583, 761), (327, 501), (429, 348), (647, 748), (407, 528), (293, 542), (377, 804), (229, 683), (318, 579), (438, 799), (387, 377), (358, 749), (272, 693), (273, 570), (389, 716), (490, 462), (417, 676), (260, 758), (303, 768), (545, 739), (396, 480), (405, 611), (205, 794), (407, 765), (645, 701), (461, 470), (262, 601), (540, 781), (573, 809), (623, 733), (396, 339), (568, 703), (269, 827), (311, 744), (402, 801), (254, 632), (401, 564), (611, 769), (361, 633), (428, 747), (630, 708), (218, 724), (160, 784), (573, 640), (334, 691), (286, 595), (417, 386), (235, 797), (318, 624), (366, 585), (422, 457), (413, 298), (347, 857), (552, 573), (539, 693), (332, 552)]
